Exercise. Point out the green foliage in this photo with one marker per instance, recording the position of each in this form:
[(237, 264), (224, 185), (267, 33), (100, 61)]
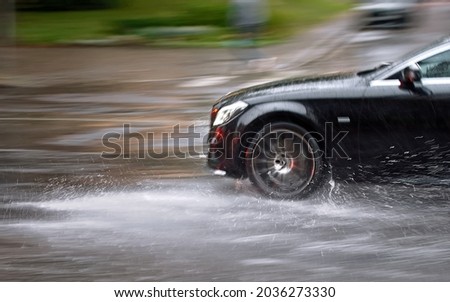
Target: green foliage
[(288, 16), (204, 14), (133, 16)]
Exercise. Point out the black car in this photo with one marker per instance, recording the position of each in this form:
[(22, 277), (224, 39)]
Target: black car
[(290, 136)]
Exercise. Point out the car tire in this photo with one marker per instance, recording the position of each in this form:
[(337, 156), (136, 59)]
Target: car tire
[(284, 161)]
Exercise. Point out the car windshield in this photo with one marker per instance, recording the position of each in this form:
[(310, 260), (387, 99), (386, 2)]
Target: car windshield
[(385, 67)]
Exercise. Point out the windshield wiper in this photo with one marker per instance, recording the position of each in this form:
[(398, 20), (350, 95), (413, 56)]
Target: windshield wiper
[(381, 66)]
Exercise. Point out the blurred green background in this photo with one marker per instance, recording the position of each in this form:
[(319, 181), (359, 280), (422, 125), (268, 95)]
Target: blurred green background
[(172, 22)]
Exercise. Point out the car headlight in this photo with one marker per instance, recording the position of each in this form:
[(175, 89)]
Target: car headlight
[(228, 112)]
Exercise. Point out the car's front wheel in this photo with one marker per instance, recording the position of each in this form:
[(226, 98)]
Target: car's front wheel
[(285, 161)]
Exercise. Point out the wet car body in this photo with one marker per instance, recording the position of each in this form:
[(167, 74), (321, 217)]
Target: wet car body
[(367, 125), (387, 13)]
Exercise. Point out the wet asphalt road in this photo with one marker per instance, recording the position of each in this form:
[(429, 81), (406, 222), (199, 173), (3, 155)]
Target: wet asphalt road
[(203, 229), (69, 215)]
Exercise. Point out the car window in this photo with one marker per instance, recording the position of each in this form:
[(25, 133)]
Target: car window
[(437, 66), (395, 76)]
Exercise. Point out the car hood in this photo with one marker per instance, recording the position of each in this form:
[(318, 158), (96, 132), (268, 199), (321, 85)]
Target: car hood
[(287, 86)]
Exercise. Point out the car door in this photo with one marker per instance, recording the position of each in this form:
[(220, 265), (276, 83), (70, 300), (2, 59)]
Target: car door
[(396, 128), (405, 130), (436, 78)]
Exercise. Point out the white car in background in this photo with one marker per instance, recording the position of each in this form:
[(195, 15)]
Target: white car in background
[(387, 13)]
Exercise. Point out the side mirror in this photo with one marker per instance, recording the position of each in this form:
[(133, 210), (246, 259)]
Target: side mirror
[(411, 80), (410, 75)]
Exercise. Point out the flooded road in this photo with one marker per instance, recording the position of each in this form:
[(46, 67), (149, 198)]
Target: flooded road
[(203, 229), (69, 214)]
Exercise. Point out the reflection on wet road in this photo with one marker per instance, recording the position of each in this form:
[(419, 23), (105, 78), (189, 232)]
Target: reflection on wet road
[(205, 229)]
